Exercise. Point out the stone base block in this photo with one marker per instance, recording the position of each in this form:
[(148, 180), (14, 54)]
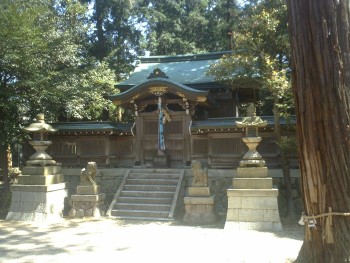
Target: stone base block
[(40, 179), (37, 203), (88, 198), (252, 172), (257, 226), (199, 210), (41, 162), (253, 209), (198, 191), (252, 183), (88, 189), (252, 163), (42, 170), (87, 206)]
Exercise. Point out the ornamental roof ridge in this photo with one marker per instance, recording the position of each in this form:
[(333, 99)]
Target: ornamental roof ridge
[(183, 57)]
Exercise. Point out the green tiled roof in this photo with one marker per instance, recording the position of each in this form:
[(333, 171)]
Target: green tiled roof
[(184, 69), (157, 81), (93, 126)]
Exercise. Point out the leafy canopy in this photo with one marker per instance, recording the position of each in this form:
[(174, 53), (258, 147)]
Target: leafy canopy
[(44, 67)]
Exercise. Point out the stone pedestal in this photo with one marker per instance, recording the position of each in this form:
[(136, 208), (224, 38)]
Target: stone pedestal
[(39, 195), (252, 203), (88, 202), (199, 206)]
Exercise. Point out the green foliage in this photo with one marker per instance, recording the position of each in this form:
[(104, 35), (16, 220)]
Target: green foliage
[(115, 36), (177, 27), (43, 66), (261, 54)]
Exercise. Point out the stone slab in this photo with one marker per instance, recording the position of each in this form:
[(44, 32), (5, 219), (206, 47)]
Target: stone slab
[(88, 198), (252, 183), (88, 189), (40, 179), (41, 170), (198, 191), (199, 200), (252, 172), (252, 192), (256, 202), (38, 188)]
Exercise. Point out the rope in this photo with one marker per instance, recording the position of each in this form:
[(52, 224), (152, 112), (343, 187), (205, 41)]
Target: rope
[(311, 224)]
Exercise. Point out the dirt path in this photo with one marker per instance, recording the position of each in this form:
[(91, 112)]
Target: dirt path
[(117, 241)]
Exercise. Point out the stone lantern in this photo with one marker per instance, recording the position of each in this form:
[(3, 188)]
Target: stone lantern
[(40, 157), (251, 124), (252, 201), (40, 192)]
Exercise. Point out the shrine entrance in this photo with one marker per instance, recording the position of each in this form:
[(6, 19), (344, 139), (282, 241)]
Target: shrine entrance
[(176, 138), (163, 112)]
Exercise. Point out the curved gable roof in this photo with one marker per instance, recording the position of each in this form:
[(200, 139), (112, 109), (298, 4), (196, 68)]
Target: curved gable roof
[(164, 85)]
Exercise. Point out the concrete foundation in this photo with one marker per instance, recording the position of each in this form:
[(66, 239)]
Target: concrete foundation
[(37, 203)]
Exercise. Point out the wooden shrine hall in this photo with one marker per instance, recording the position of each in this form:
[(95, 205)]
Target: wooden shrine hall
[(180, 114)]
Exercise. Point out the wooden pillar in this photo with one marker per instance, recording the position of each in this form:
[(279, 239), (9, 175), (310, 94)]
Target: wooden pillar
[(107, 150), (187, 138), (138, 152)]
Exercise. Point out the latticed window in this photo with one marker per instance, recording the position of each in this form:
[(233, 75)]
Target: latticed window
[(64, 147), (226, 145), (93, 146), (200, 146)]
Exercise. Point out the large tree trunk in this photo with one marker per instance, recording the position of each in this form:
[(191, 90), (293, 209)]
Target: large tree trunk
[(321, 83)]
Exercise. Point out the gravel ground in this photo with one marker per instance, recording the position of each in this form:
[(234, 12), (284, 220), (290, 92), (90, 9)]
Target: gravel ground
[(114, 240)]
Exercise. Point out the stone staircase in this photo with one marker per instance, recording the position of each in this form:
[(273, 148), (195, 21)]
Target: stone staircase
[(147, 194)]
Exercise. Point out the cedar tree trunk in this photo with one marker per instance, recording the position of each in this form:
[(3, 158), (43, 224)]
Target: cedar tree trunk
[(320, 42)]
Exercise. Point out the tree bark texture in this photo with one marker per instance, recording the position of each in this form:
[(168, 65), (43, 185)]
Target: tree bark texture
[(320, 41)]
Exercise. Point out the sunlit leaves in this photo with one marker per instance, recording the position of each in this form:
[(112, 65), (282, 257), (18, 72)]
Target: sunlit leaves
[(44, 66)]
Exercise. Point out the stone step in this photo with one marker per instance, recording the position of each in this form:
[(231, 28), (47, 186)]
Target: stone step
[(140, 213), (138, 218), (164, 188), (147, 195), (142, 206), (153, 176), (162, 194), (152, 181), (144, 200), (155, 171)]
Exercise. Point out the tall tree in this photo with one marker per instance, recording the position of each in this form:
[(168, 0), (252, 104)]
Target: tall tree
[(174, 27), (319, 33), (116, 35)]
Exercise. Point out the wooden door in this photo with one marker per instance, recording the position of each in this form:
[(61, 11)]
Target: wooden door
[(174, 134)]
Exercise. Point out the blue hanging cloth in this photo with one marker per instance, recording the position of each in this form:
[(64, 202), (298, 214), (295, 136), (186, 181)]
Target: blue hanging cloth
[(161, 142)]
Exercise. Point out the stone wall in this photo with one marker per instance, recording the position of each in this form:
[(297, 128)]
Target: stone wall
[(219, 180)]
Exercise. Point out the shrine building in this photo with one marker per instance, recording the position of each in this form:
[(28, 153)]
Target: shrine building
[(180, 114)]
